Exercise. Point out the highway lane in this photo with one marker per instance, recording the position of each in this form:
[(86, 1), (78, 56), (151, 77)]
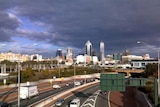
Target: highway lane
[(44, 94), (102, 100), (27, 102), (87, 96), (10, 95)]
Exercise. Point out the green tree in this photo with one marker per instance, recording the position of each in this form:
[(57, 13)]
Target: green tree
[(27, 75), (151, 69)]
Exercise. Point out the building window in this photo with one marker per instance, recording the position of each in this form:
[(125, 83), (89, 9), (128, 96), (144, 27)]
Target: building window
[(136, 64), (143, 64)]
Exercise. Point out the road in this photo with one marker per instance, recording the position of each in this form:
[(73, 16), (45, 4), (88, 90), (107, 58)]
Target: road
[(27, 102), (90, 97), (46, 90), (102, 99), (87, 97)]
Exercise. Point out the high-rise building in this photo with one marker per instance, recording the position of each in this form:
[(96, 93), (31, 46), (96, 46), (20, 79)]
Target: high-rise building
[(102, 52), (69, 57), (59, 53), (69, 54), (88, 47)]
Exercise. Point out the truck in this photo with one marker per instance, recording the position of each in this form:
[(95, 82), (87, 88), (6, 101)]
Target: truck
[(28, 91)]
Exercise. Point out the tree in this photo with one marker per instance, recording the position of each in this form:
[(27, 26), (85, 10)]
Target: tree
[(27, 75), (151, 70)]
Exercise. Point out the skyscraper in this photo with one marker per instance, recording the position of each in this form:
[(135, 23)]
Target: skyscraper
[(69, 57), (88, 47), (102, 53), (69, 54), (59, 53)]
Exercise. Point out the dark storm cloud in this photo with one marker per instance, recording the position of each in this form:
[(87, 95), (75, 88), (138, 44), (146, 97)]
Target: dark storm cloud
[(119, 23), (8, 22)]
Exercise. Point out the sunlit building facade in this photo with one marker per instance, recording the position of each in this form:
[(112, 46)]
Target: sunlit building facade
[(13, 57), (102, 52), (36, 57), (69, 57)]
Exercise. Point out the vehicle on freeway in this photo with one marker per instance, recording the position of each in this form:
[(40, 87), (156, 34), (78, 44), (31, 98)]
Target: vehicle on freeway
[(28, 91), (67, 84), (59, 102), (75, 103), (3, 104), (77, 83), (56, 86)]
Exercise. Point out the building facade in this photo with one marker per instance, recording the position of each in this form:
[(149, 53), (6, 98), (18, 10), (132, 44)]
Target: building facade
[(102, 52), (141, 64), (59, 53), (36, 57), (13, 57), (88, 47), (69, 57)]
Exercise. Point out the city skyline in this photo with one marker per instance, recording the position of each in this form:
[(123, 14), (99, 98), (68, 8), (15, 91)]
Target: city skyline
[(49, 25)]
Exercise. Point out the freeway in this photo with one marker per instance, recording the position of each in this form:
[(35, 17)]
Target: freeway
[(27, 102), (10, 95), (89, 97), (84, 96), (46, 90), (103, 99)]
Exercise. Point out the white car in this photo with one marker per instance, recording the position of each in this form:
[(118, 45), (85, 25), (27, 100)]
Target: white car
[(75, 103), (77, 83), (56, 86)]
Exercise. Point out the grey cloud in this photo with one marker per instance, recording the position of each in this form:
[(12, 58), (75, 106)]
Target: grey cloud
[(119, 23)]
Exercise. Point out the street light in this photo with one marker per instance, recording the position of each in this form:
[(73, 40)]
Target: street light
[(18, 83), (158, 51), (59, 72), (74, 70), (85, 76)]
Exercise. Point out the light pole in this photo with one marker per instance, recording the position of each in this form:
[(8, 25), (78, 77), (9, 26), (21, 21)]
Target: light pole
[(158, 51), (19, 75), (59, 72), (85, 76), (18, 84), (74, 70)]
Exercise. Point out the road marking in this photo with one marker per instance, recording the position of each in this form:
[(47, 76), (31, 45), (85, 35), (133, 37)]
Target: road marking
[(96, 97), (147, 100), (88, 104), (92, 98)]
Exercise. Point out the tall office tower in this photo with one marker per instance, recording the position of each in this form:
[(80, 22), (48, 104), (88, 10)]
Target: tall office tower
[(102, 53), (88, 46), (69, 54), (59, 53)]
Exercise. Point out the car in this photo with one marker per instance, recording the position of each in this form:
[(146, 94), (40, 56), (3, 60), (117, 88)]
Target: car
[(59, 102), (67, 84), (3, 104), (56, 86), (77, 83), (75, 103)]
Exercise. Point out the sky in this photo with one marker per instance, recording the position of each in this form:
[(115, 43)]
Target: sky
[(43, 26)]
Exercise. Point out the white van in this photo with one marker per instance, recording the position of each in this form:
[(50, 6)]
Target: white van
[(28, 91), (75, 103)]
